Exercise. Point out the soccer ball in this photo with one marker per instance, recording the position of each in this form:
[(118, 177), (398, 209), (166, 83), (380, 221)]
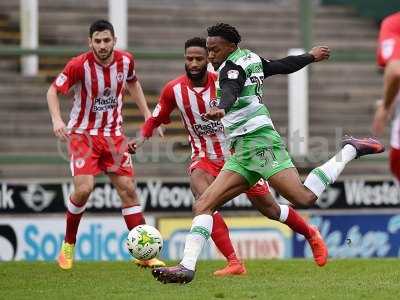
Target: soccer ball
[(144, 242)]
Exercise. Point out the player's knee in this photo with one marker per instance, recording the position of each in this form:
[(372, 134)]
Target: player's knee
[(83, 191), (266, 205), (306, 200), (273, 212), (196, 208), (202, 206), (129, 196)]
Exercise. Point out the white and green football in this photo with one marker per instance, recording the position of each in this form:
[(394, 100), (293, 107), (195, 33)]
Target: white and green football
[(144, 242)]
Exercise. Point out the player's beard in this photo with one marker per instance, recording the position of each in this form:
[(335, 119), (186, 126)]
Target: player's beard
[(102, 56), (196, 77)]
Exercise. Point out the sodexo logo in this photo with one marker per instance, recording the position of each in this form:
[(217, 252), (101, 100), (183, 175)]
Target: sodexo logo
[(94, 243), (8, 243)]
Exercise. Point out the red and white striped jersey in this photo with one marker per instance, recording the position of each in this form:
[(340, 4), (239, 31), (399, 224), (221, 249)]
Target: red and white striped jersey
[(98, 91), (207, 138), (388, 50), (395, 132)]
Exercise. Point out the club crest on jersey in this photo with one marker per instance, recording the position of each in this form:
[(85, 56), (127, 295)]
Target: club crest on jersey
[(79, 163), (233, 74), (61, 79), (120, 76)]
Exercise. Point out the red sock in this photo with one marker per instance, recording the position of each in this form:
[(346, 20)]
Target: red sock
[(220, 236), (133, 216), (74, 215), (297, 223)]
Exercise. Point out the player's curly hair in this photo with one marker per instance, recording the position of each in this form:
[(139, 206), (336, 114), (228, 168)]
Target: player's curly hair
[(196, 42), (225, 31)]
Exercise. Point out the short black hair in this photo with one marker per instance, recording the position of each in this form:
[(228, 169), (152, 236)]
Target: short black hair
[(196, 42), (101, 25), (225, 31)]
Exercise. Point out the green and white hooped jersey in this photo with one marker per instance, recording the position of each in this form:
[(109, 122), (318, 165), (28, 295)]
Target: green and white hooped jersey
[(248, 113)]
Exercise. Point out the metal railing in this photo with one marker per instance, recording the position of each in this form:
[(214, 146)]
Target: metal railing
[(16, 51), (54, 51)]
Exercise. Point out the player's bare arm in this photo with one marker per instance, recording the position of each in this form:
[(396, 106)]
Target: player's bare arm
[(390, 90), (59, 127), (136, 91)]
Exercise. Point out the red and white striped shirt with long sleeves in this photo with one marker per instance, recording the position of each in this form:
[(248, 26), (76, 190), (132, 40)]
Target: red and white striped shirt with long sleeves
[(98, 92), (207, 138)]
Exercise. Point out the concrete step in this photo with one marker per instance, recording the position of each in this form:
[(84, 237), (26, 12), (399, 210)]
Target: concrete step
[(343, 22), (22, 130), (15, 144), (349, 33), (330, 11), (340, 44), (11, 65)]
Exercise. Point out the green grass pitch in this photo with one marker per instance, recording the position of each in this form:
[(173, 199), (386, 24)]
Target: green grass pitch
[(266, 279)]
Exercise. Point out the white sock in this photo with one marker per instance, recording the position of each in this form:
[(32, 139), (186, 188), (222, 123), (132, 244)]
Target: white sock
[(319, 178), (198, 236), (284, 213)]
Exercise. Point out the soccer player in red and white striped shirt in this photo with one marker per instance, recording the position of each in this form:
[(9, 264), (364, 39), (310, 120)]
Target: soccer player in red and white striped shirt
[(194, 93), (94, 133), (388, 57)]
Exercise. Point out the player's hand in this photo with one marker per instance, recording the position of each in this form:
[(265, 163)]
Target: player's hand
[(320, 53), (214, 114), (134, 144), (60, 130), (381, 118)]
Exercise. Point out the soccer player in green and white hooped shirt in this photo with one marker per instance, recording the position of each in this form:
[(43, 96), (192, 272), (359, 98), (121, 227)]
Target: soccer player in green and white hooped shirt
[(258, 150)]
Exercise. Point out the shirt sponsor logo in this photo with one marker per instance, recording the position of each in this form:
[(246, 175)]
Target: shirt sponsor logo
[(105, 102), (209, 128)]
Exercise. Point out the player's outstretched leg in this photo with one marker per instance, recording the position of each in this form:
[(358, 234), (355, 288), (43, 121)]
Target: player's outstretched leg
[(226, 186), (262, 199), (364, 146), (202, 174), (319, 178)]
